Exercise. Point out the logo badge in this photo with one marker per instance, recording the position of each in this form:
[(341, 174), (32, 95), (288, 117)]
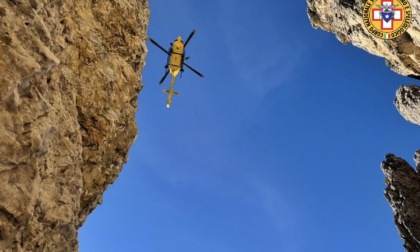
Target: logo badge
[(387, 19)]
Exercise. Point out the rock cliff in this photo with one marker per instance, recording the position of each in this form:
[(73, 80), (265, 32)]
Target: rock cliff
[(69, 82), (402, 55)]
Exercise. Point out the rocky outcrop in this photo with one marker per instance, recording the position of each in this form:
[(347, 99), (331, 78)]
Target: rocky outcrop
[(344, 18), (402, 55), (407, 102), (403, 194), (69, 83)]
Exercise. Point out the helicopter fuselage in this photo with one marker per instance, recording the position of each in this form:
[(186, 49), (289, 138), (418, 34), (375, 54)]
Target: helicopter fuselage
[(176, 57)]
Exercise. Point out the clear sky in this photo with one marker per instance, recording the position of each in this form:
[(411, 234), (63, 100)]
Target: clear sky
[(278, 148)]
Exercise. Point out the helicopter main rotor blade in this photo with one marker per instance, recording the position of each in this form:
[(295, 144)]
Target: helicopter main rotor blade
[(195, 71), (159, 46), (164, 77), (189, 37)]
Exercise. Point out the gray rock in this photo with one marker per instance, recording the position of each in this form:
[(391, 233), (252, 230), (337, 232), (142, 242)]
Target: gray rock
[(403, 194), (407, 102), (344, 18)]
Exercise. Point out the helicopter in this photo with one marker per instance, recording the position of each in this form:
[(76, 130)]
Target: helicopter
[(175, 63)]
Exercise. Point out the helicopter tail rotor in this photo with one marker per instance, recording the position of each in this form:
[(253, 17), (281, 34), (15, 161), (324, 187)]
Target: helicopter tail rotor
[(169, 91)]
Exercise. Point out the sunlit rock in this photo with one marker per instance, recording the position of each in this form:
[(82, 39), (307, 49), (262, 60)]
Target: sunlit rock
[(69, 83)]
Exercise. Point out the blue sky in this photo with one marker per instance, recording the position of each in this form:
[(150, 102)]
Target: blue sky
[(278, 148)]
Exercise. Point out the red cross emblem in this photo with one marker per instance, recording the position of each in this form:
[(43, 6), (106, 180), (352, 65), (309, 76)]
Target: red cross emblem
[(377, 15)]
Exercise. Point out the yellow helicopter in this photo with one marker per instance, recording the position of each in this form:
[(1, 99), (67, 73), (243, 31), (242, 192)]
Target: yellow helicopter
[(175, 63)]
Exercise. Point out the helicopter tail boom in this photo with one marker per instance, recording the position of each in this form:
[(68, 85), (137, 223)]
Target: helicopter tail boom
[(170, 92)]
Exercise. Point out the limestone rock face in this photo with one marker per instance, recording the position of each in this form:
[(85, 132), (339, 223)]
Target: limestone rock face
[(403, 194), (402, 55), (407, 102), (344, 18), (69, 83)]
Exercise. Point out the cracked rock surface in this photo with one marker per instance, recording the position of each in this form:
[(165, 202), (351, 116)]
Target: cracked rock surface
[(69, 83), (407, 102), (344, 18), (403, 194)]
